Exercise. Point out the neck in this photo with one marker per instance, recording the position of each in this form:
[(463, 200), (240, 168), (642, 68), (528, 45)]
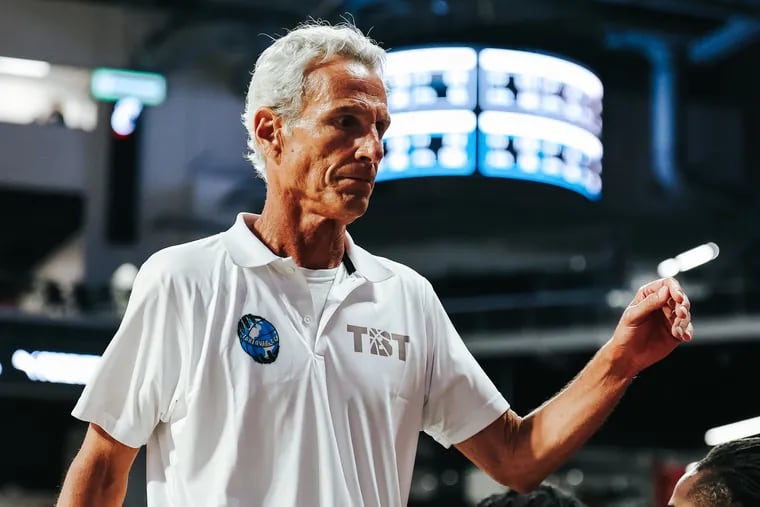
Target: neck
[(312, 241)]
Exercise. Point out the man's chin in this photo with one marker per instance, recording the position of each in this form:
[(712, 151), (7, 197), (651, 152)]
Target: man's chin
[(353, 207)]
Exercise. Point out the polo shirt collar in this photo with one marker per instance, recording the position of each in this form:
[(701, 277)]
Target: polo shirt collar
[(245, 248), (365, 263), (247, 251)]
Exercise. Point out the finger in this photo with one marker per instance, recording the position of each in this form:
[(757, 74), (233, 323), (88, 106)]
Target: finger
[(676, 313), (677, 326), (685, 301), (677, 293), (679, 331), (654, 301), (689, 333), (674, 287), (648, 289), (682, 329)]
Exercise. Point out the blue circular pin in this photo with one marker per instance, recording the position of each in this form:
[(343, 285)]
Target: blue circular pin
[(259, 338)]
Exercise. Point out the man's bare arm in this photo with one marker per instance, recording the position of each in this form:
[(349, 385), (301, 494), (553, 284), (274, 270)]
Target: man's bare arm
[(98, 475), (521, 452)]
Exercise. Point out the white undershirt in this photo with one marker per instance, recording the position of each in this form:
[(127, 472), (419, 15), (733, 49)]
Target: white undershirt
[(320, 281)]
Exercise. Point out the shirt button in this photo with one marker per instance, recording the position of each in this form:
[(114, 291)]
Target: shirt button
[(307, 319)]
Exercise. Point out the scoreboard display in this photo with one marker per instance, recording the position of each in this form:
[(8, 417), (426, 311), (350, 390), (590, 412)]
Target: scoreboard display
[(503, 113), (430, 143), (432, 97)]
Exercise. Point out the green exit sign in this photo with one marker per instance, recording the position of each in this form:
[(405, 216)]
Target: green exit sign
[(111, 85)]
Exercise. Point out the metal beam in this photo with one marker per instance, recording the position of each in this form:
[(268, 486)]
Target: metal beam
[(732, 36), (664, 84), (708, 9), (716, 331)]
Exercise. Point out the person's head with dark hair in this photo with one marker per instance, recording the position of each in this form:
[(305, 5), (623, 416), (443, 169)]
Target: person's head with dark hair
[(729, 476), (546, 495)]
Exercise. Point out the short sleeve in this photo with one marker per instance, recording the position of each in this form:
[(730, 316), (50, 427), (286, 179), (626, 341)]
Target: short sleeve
[(461, 400), (137, 381)]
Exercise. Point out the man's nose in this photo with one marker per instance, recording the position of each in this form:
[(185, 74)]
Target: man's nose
[(370, 148)]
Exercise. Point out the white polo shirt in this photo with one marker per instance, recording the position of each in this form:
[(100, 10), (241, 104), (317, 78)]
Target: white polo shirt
[(214, 369)]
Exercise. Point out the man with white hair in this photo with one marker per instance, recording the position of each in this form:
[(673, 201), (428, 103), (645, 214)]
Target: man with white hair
[(280, 364)]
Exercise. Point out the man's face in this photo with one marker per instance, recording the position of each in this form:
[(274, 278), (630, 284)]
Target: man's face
[(680, 497), (330, 152)]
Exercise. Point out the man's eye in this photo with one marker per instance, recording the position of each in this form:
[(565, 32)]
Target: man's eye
[(347, 121)]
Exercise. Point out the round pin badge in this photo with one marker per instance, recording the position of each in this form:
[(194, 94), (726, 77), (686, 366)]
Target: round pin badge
[(259, 338)]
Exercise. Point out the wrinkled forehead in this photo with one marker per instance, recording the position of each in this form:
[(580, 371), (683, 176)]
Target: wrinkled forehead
[(342, 78), (359, 70)]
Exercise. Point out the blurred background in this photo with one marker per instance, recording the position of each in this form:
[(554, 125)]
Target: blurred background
[(536, 188)]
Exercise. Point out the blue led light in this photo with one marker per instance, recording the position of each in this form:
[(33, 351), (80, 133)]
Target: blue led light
[(504, 113)]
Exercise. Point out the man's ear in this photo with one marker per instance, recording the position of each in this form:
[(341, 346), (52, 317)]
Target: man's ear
[(267, 127)]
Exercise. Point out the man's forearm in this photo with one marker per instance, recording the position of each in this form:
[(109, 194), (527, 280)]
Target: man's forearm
[(88, 484), (549, 435), (521, 452)]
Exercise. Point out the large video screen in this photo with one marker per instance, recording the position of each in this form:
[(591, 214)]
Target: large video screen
[(503, 113)]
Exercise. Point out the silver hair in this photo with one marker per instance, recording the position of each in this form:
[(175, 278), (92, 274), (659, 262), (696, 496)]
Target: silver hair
[(278, 78)]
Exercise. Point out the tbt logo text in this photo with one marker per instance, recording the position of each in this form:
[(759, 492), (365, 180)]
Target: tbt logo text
[(380, 342)]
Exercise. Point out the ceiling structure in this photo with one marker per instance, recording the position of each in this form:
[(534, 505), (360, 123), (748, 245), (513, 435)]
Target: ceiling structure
[(556, 241), (725, 25)]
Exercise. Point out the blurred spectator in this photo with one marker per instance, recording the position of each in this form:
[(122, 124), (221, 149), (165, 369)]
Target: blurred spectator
[(729, 476), (546, 495), (52, 294)]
